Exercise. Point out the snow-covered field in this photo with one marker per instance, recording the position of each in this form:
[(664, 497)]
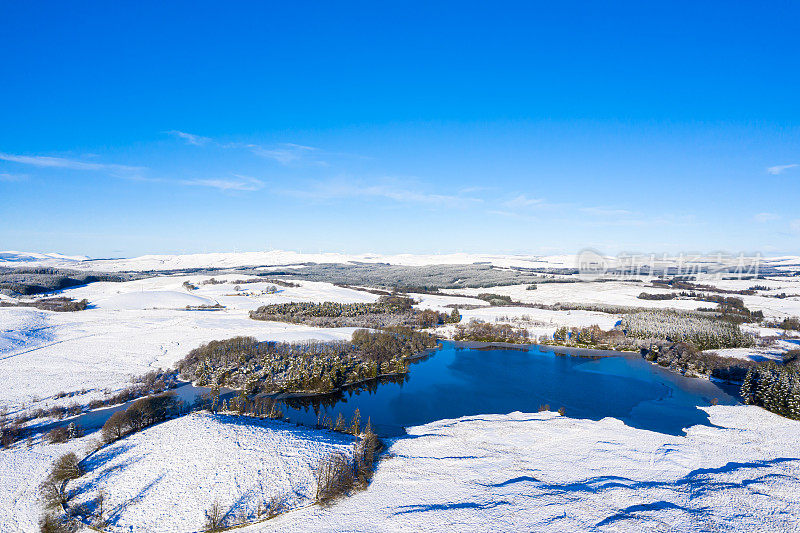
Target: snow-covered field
[(543, 472), (513, 472), (134, 327), (165, 477), (530, 472), (22, 469)]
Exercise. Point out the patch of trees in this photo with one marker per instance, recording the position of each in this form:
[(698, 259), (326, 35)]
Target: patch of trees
[(154, 382), (731, 309), (428, 318), (478, 330), (418, 279), (296, 311), (774, 387), (64, 433), (495, 299), (652, 296), (38, 280), (686, 359), (280, 282), (790, 323), (55, 499), (704, 333), (591, 336), (687, 283), (140, 414), (388, 311), (205, 307), (214, 281), (60, 304), (338, 474), (317, 367)]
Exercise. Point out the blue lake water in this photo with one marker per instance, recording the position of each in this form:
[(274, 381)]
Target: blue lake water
[(456, 382)]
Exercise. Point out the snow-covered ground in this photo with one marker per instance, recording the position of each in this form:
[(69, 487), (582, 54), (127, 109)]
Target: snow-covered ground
[(512, 472), (137, 326), (134, 327), (531, 472), (163, 478), (22, 469), (543, 472)]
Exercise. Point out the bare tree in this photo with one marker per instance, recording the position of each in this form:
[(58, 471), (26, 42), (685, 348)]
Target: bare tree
[(215, 518), (334, 477)]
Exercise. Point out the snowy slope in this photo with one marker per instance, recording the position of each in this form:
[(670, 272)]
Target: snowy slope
[(164, 478), (542, 472), (22, 469), (134, 327)]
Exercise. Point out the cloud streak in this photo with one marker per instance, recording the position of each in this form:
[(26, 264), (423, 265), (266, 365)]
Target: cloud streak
[(522, 201), (237, 183), (284, 153), (190, 138), (762, 218), (44, 161), (779, 169), (388, 189), (607, 212)]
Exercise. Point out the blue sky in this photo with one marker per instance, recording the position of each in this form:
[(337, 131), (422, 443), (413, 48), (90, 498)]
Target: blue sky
[(531, 127)]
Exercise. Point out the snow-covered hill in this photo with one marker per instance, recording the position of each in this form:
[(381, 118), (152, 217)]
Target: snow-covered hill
[(543, 472), (164, 478), (13, 257)]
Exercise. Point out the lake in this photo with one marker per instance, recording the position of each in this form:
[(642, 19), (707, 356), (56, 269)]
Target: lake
[(456, 382)]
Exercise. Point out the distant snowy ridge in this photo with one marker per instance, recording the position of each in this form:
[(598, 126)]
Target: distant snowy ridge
[(13, 256), (293, 258)]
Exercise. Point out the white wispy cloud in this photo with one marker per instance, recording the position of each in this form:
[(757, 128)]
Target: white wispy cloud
[(510, 214), (5, 176), (286, 153), (389, 188), (283, 153), (795, 225), (761, 218), (607, 212), (191, 138), (235, 183), (778, 169), (522, 201), (74, 164)]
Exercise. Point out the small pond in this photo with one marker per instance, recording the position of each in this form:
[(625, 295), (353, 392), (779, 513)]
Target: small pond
[(455, 382)]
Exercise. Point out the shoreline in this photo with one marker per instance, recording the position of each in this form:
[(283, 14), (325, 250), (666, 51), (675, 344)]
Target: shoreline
[(571, 350)]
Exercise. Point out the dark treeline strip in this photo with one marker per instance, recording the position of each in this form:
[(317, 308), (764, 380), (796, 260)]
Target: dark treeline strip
[(60, 304), (687, 283), (27, 281), (297, 311), (388, 311)]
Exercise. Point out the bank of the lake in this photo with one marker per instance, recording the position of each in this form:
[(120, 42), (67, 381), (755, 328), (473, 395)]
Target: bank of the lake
[(463, 379)]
